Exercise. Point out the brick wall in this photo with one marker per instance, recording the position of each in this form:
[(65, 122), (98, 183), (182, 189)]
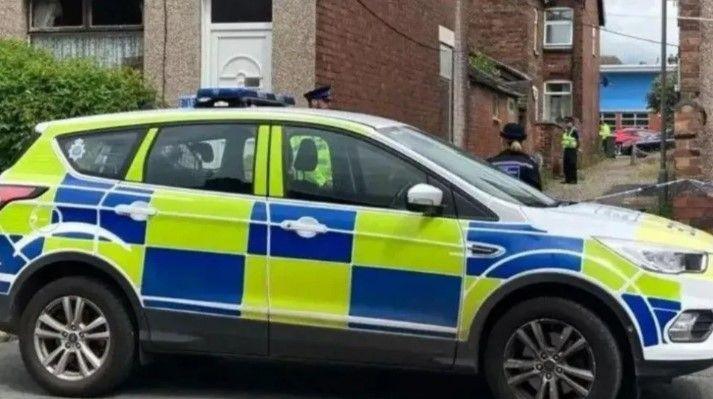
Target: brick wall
[(690, 48), (488, 112), (505, 30), (580, 65), (375, 70)]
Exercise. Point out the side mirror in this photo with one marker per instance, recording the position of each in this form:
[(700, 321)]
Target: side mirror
[(425, 198)]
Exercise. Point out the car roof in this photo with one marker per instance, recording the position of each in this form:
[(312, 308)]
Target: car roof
[(178, 115)]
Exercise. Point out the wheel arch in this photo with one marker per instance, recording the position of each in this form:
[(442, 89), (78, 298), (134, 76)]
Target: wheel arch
[(560, 285), (66, 264)]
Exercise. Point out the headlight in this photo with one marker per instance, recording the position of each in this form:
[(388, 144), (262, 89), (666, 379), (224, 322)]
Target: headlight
[(659, 258)]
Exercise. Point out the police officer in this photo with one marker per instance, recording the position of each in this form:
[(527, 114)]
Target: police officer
[(319, 98), (607, 138), (570, 146), (513, 159)]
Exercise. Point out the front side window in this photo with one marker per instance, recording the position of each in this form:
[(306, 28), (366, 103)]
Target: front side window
[(558, 100), (101, 154), (328, 166), (559, 28), (216, 157), (473, 170)]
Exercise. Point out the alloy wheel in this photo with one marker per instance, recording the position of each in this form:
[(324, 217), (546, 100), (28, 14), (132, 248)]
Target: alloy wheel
[(549, 359), (72, 338)]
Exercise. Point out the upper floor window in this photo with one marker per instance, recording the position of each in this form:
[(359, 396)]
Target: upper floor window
[(558, 100), (609, 118), (214, 157), (559, 27)]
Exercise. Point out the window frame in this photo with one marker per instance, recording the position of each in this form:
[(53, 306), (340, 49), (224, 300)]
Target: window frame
[(142, 134), (488, 214), (160, 127), (547, 94), (87, 23), (548, 23)]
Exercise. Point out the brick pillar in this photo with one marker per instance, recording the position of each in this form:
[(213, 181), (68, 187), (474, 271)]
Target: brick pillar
[(690, 120)]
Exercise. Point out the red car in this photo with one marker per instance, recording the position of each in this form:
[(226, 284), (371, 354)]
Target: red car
[(645, 140), (624, 139)]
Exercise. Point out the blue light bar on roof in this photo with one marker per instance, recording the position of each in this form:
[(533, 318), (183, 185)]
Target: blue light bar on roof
[(240, 97)]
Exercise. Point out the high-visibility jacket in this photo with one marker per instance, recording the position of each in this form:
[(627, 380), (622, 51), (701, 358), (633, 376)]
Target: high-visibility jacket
[(568, 139), (605, 131)]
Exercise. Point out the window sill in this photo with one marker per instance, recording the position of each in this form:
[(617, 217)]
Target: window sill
[(558, 47), (83, 29)]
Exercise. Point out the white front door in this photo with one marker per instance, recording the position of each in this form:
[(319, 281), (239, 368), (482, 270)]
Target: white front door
[(237, 43)]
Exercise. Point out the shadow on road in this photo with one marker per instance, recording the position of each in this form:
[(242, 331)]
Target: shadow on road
[(218, 378)]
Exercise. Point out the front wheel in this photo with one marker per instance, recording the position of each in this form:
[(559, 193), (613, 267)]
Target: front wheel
[(76, 338), (552, 348)]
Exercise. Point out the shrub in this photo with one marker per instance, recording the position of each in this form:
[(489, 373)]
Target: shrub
[(36, 87)]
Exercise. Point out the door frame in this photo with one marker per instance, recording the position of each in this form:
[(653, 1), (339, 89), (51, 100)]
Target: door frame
[(206, 25)]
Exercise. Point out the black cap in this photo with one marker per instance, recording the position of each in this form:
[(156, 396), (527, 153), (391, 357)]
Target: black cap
[(513, 131), (320, 93)]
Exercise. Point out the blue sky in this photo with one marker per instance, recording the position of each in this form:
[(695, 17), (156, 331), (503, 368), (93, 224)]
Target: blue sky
[(638, 18)]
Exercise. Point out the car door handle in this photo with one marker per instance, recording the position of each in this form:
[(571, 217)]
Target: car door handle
[(139, 211), (305, 227)]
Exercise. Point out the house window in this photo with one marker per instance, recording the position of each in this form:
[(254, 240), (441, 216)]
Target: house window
[(109, 31), (496, 106), (637, 119), (559, 27), (241, 11), (558, 100), (74, 15), (446, 38), (609, 118)]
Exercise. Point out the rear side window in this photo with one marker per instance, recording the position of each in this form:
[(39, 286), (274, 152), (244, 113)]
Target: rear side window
[(101, 154), (214, 157)]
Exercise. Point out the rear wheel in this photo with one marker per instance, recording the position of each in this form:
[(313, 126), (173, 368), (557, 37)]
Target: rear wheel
[(76, 338), (551, 348)]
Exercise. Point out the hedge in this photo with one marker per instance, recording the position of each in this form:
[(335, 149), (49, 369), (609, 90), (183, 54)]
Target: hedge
[(36, 87)]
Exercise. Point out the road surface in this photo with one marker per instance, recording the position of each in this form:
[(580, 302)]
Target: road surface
[(188, 377)]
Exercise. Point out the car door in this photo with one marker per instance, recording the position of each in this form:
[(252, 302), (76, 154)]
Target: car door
[(204, 272), (353, 275)]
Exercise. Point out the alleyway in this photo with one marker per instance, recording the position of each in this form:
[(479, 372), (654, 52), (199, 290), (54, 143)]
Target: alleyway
[(606, 177)]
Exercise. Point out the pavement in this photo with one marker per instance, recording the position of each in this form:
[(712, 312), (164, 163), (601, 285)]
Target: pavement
[(213, 378)]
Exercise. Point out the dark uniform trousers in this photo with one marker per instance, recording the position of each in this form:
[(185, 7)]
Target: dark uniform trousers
[(569, 164)]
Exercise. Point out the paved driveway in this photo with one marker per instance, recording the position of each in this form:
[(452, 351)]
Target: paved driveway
[(188, 377)]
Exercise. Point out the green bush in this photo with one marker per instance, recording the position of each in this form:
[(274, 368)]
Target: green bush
[(36, 87)]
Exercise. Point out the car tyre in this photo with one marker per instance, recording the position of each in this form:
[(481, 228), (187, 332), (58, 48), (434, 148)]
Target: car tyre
[(102, 335), (518, 369)]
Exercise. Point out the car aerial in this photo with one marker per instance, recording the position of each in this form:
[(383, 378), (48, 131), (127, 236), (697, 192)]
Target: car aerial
[(311, 235)]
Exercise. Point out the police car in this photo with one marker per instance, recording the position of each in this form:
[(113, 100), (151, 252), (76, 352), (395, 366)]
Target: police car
[(290, 233)]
